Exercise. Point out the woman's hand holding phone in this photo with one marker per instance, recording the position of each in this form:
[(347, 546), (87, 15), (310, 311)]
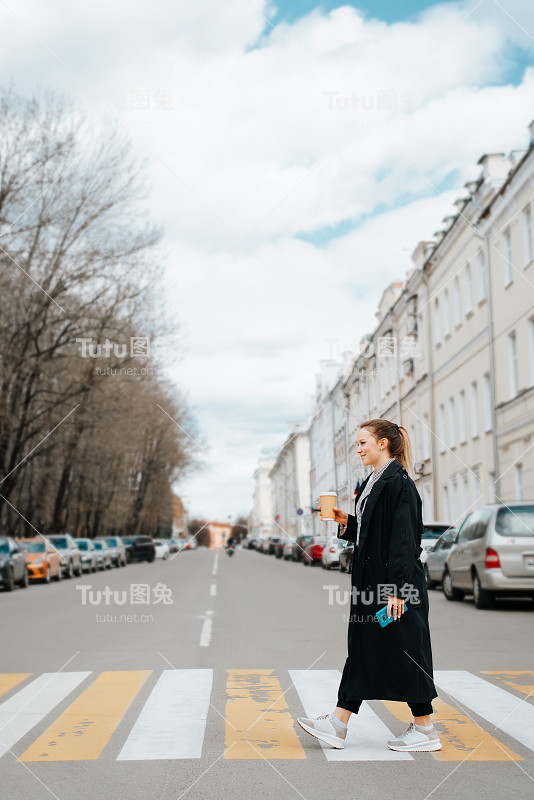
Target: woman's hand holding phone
[(395, 606)]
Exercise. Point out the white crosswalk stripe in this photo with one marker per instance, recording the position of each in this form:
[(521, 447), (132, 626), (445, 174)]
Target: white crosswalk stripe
[(510, 714), (30, 705), (172, 722), (365, 741)]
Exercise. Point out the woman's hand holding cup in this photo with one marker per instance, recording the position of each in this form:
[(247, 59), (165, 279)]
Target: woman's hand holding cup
[(340, 516)]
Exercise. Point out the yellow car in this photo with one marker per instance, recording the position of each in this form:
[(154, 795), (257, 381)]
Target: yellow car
[(42, 559)]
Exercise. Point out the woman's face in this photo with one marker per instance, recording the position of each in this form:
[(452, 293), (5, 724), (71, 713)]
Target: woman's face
[(368, 448)]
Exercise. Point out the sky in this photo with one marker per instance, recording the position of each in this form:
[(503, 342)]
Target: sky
[(296, 154)]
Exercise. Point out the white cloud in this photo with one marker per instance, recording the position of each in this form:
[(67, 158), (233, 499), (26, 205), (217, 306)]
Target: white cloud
[(271, 134)]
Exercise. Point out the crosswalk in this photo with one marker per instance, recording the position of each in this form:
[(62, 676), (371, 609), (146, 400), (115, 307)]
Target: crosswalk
[(175, 708)]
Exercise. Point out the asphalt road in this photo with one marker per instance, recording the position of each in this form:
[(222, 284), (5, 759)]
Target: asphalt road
[(111, 697)]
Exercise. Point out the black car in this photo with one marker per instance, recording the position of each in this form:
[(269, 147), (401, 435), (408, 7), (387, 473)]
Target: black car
[(13, 567), (272, 545), (300, 545), (345, 558), (139, 548)]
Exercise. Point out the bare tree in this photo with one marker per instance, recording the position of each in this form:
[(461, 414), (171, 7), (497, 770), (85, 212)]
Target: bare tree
[(79, 447)]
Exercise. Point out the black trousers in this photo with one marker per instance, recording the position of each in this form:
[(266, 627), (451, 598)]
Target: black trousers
[(417, 709)]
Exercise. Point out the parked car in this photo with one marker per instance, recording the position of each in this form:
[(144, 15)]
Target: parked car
[(118, 550), (88, 555), (346, 558), (13, 568), (43, 561), (314, 550), (174, 544), (331, 552), (280, 545), (288, 549), (162, 548), (299, 547), (140, 548), (71, 559), (432, 531), (271, 543), (190, 544), (493, 555), (103, 554), (433, 558)]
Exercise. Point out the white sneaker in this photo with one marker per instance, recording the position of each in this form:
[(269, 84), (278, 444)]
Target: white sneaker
[(416, 741), (324, 729)]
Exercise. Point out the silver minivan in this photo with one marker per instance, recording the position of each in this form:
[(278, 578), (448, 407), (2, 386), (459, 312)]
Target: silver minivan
[(493, 554)]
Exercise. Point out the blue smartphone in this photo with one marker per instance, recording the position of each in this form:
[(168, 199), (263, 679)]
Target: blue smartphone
[(382, 616)]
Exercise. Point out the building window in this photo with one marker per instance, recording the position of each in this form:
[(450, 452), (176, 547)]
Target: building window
[(393, 371), (452, 424), (481, 275), (488, 404), (476, 488), (468, 289), (462, 422), (474, 408), (446, 313), (531, 348), (437, 326), (427, 502), (464, 483), (492, 497), (518, 482), (454, 500), (528, 244), (419, 350), (446, 512), (441, 422), (457, 295), (426, 437), (506, 252), (512, 364)]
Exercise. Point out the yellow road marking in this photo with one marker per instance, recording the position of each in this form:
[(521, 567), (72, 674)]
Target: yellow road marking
[(257, 717), (517, 679), (10, 679), (458, 734), (85, 727)]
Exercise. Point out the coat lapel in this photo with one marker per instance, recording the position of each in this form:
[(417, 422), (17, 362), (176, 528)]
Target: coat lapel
[(390, 471)]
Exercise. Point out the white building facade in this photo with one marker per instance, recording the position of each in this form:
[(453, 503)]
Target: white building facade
[(262, 511), (459, 375), (290, 486), (451, 359), (322, 436)]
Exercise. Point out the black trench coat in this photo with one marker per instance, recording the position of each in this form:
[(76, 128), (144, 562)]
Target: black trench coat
[(395, 662)]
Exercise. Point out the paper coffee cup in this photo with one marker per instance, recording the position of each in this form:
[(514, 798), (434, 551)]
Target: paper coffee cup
[(328, 501)]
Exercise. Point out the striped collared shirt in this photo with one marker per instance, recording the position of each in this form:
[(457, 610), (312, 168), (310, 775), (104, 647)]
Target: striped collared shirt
[(360, 502)]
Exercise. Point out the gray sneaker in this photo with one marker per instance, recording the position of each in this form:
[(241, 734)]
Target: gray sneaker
[(416, 741), (324, 729)]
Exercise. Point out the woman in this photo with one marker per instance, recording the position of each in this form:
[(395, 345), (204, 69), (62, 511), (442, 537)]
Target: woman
[(394, 662)]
